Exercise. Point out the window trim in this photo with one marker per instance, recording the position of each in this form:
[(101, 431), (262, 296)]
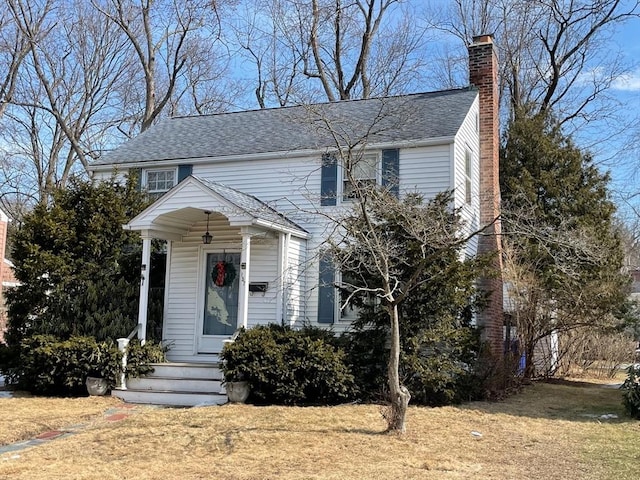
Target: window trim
[(145, 179), (468, 174), (342, 170)]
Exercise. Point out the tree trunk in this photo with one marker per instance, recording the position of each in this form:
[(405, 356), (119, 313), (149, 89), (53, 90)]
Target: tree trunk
[(530, 366), (399, 396)]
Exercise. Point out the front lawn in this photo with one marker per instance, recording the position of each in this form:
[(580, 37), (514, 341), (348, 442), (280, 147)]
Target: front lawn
[(24, 416), (550, 431)]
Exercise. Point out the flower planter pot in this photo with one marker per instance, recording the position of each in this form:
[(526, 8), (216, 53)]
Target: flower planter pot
[(237, 392), (97, 386)]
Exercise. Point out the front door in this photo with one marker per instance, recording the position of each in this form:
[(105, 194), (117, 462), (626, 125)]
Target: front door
[(220, 316)]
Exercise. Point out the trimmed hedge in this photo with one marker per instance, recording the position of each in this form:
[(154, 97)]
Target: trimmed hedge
[(288, 367)]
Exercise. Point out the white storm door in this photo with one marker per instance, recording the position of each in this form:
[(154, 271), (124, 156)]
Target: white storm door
[(220, 315)]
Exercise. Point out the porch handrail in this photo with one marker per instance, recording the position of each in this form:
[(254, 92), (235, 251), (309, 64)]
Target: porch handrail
[(134, 332), (123, 343)]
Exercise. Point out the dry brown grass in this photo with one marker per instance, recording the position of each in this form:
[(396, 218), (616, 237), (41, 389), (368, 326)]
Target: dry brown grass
[(549, 431), (24, 416)]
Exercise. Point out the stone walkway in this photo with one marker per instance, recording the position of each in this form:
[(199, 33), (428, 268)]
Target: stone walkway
[(114, 414)]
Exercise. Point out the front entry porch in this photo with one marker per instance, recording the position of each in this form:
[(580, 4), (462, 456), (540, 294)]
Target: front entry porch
[(232, 262), (247, 273)]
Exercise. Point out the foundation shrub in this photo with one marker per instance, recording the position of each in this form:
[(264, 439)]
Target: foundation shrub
[(288, 367), (47, 365)]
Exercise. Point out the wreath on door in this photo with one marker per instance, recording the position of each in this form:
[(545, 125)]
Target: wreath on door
[(223, 274)]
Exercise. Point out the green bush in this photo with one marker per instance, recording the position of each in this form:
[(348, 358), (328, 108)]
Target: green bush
[(288, 367), (439, 359), (631, 391), (140, 357), (46, 365)]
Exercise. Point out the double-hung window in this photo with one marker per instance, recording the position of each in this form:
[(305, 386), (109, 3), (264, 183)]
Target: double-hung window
[(359, 173), (467, 176), (159, 181)]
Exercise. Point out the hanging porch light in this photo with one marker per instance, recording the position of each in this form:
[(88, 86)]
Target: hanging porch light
[(207, 237)]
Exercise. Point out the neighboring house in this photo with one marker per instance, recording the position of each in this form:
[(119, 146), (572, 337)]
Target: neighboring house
[(260, 182), (7, 279)]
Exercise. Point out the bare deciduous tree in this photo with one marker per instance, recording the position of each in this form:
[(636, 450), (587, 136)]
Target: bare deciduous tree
[(305, 51), (62, 109), (168, 39), (554, 53), (14, 47), (548, 301), (359, 241), (91, 73)]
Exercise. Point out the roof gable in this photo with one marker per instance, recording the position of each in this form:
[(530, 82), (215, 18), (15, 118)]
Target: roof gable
[(185, 203), (399, 119)]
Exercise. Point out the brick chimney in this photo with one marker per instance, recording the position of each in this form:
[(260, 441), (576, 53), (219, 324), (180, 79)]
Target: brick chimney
[(483, 74)]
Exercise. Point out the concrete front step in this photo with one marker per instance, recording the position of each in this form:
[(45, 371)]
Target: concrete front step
[(209, 371), (178, 384), (170, 398)]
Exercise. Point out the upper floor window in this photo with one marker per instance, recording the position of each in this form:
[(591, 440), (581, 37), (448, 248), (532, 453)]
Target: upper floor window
[(359, 173), (338, 182), (467, 176), (159, 181)]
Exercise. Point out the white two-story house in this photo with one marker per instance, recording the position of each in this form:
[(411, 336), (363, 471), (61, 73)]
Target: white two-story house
[(242, 199)]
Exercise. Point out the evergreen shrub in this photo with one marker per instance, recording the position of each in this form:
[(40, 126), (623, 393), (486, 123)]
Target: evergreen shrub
[(47, 365), (631, 391), (439, 365), (288, 367)]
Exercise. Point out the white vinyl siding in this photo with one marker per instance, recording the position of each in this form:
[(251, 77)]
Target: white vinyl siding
[(263, 267), (426, 170), (180, 309), (289, 185), (467, 143)]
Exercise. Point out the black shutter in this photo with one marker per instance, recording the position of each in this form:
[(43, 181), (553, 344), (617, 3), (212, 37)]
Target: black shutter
[(184, 171), (328, 180), (326, 292), (391, 170)]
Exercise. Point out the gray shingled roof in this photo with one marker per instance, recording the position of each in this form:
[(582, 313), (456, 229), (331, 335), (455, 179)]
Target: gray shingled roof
[(249, 204), (403, 118)]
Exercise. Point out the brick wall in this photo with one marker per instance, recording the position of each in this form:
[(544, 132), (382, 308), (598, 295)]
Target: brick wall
[(483, 74)]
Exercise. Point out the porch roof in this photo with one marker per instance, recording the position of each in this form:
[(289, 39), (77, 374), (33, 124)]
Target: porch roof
[(172, 215)]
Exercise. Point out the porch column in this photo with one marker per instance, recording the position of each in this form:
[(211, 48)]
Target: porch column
[(145, 269), (243, 294), (283, 265)]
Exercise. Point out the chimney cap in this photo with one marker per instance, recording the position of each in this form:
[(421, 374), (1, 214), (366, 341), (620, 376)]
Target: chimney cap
[(486, 38)]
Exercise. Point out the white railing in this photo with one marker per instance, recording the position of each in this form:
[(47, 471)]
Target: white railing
[(123, 343)]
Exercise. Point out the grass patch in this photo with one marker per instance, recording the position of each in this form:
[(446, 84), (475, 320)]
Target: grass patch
[(24, 416), (550, 431)]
